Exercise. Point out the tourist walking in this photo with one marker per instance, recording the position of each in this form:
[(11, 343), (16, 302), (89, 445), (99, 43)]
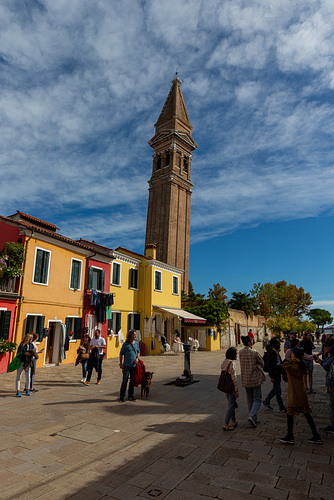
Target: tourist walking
[(26, 351), (297, 396), (83, 355), (128, 358), (273, 365), (35, 337), (96, 356), (228, 365), (307, 346), (287, 343), (252, 377)]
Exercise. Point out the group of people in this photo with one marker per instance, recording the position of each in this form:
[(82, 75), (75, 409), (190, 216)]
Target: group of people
[(296, 370), (91, 354)]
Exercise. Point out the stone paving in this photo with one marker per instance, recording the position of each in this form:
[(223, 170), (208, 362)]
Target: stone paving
[(69, 441)]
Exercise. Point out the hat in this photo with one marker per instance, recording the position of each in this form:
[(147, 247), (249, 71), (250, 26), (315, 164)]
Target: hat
[(299, 353)]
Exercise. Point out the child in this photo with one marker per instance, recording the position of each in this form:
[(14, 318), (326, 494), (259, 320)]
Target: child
[(229, 365), (297, 396)]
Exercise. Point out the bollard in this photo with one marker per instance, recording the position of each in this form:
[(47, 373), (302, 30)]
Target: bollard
[(186, 378)]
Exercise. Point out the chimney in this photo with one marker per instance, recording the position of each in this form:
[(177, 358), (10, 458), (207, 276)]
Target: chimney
[(151, 250)]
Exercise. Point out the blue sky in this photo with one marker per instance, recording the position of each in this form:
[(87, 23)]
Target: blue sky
[(82, 83)]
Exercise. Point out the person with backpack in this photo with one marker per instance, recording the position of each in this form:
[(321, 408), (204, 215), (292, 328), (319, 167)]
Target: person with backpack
[(128, 359), (328, 366), (272, 361)]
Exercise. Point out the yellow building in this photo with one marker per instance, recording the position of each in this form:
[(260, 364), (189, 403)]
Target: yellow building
[(147, 298), (52, 290)]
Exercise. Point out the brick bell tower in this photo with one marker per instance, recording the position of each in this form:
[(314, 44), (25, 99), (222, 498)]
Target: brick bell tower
[(168, 214)]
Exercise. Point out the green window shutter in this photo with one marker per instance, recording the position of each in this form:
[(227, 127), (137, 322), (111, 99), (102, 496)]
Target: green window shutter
[(77, 328), (129, 321), (118, 322), (38, 266), (75, 274), (102, 280), (136, 323), (90, 277), (40, 327), (67, 323), (6, 325), (109, 326), (27, 326)]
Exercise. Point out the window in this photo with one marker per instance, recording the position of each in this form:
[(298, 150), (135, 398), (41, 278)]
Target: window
[(158, 163), (134, 321), (4, 324), (96, 278), (75, 282), (116, 274), (175, 285), (185, 165), (35, 323), (74, 324), (133, 278), (157, 281), (167, 159), (42, 266), (114, 323)]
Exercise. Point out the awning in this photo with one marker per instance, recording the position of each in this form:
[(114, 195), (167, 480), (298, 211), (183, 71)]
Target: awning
[(185, 315)]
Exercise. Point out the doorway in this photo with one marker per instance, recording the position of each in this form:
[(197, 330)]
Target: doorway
[(53, 343)]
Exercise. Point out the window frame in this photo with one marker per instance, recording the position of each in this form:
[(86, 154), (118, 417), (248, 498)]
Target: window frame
[(157, 272), (177, 279), (48, 269), (40, 330), (120, 273), (80, 273), (102, 278)]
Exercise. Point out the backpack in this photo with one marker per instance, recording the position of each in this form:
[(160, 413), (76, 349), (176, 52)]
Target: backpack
[(265, 361)]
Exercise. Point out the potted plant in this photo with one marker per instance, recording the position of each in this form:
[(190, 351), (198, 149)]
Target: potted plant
[(71, 335), (7, 346), (12, 257)]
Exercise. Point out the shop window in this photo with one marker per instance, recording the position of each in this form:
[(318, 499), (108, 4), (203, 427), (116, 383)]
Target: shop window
[(75, 282), (4, 324), (74, 324), (35, 324), (42, 266), (96, 278), (157, 281), (133, 279), (116, 274)]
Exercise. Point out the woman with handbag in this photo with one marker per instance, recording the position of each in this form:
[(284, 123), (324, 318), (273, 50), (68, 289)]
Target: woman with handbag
[(26, 351), (229, 375), (83, 356)]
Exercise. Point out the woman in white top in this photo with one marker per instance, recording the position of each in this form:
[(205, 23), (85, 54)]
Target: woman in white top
[(229, 365)]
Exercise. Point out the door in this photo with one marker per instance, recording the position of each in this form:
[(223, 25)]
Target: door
[(51, 340)]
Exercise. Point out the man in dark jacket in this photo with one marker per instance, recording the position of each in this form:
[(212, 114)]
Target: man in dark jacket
[(273, 362)]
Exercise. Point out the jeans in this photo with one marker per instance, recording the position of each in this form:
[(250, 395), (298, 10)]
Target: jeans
[(230, 412), (276, 391), (127, 370), (18, 377), (254, 400), (84, 368)]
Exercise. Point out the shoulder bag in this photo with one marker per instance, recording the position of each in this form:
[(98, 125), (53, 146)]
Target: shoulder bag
[(225, 382)]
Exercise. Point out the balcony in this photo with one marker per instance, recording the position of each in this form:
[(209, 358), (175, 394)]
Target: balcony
[(8, 287)]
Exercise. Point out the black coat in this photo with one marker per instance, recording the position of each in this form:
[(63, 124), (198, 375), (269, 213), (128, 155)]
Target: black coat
[(273, 367)]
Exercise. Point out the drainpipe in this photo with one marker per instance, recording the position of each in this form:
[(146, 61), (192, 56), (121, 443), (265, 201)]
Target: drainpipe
[(21, 283)]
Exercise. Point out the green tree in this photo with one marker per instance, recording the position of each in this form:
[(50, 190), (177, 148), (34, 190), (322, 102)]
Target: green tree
[(320, 317), (192, 296), (218, 292), (281, 299), (214, 311)]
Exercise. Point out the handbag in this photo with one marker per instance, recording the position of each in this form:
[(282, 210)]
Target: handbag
[(225, 382), (140, 375), (15, 363), (84, 356)]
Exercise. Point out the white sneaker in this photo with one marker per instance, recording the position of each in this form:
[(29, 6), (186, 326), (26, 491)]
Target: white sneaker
[(83, 380)]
